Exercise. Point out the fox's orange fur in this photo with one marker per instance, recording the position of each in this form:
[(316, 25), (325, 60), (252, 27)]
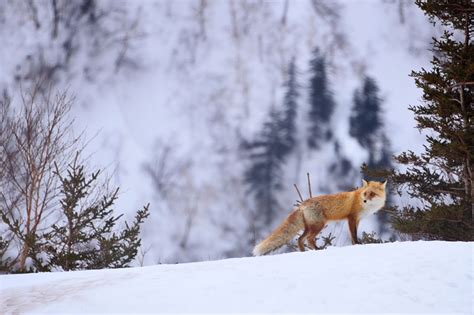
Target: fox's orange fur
[(313, 214)]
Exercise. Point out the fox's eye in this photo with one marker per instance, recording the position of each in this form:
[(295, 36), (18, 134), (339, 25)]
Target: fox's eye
[(372, 194)]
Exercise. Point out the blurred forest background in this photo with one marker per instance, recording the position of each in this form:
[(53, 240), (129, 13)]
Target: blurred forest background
[(208, 110)]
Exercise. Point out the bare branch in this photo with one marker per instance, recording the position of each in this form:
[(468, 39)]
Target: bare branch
[(309, 186), (299, 194)]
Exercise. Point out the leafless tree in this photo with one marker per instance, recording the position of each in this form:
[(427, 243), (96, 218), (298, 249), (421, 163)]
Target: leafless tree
[(34, 136), (285, 13), (402, 7), (165, 168), (330, 13), (174, 186), (200, 15), (73, 38), (143, 251)]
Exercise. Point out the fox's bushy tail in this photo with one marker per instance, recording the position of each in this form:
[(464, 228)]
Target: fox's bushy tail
[(282, 234)]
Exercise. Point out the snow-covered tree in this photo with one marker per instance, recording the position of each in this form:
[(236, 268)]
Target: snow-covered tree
[(342, 169), (321, 102), (290, 105), (266, 156), (366, 118)]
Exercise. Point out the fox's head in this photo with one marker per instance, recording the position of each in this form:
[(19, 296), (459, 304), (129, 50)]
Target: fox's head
[(373, 195)]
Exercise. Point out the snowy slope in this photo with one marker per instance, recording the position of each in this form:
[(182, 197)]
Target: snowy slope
[(204, 80), (199, 98), (397, 277)]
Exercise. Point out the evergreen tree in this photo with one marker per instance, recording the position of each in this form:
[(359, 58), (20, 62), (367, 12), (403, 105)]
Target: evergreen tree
[(366, 118), (367, 126), (342, 170), (86, 238), (290, 105), (441, 177), (321, 102), (263, 177), (268, 153)]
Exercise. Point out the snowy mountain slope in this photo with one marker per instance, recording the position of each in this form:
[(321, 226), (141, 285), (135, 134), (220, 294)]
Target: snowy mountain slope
[(396, 277), (199, 92), (206, 77)]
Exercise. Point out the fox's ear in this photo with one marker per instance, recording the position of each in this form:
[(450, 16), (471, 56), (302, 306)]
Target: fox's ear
[(364, 183), (384, 184)]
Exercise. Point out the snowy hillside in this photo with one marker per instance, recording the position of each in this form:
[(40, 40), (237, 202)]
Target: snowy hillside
[(410, 277), (166, 92)]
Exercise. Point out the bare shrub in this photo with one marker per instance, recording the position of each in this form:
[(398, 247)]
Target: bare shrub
[(34, 136)]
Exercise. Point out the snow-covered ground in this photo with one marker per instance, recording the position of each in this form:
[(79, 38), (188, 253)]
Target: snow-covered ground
[(415, 277)]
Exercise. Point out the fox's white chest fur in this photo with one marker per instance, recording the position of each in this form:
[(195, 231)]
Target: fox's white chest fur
[(372, 206)]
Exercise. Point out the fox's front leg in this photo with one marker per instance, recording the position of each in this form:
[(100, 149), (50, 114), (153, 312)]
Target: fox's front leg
[(353, 223)]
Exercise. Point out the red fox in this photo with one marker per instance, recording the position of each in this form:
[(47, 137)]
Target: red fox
[(312, 215)]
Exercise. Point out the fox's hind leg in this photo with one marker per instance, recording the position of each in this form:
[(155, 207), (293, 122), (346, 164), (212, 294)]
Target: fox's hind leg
[(302, 238), (315, 222), (313, 231)]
